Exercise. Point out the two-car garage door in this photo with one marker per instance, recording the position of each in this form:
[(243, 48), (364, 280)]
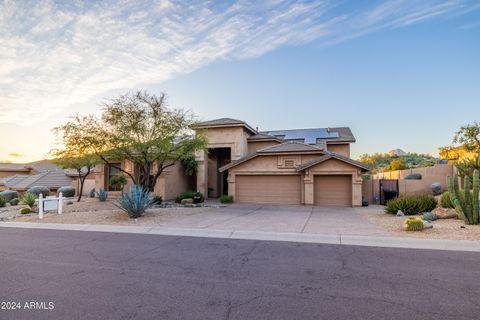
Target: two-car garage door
[(275, 189), (329, 190), (333, 190)]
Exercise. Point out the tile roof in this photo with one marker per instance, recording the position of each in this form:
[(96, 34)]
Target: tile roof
[(332, 155), (292, 146), (286, 147), (223, 122), (263, 137), (13, 167), (49, 179)]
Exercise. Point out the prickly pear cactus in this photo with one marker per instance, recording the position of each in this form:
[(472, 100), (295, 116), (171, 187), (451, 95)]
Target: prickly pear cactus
[(413, 224)]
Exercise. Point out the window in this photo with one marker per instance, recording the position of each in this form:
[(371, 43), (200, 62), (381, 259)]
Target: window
[(112, 171)]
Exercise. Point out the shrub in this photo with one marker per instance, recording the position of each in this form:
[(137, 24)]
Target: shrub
[(14, 202), (190, 195), (3, 202), (25, 210), (29, 199), (429, 216), (413, 176), (102, 195), (157, 200), (413, 224), (446, 200), (186, 201), (136, 201), (118, 181), (411, 205), (226, 199), (37, 190), (9, 194), (67, 191)]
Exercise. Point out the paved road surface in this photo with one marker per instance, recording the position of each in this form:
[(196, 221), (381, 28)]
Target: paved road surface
[(90, 275)]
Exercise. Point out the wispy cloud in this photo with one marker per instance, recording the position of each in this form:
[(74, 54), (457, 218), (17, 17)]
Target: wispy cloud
[(57, 54), (15, 155)]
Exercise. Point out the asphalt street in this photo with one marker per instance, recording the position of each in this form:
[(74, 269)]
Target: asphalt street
[(52, 274)]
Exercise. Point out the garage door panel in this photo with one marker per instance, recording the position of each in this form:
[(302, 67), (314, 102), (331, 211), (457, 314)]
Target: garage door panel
[(333, 190), (268, 189)]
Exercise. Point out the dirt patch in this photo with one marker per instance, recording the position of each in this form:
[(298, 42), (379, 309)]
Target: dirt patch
[(92, 211), (454, 229)]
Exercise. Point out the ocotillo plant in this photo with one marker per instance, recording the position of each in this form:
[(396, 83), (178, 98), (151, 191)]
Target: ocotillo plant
[(466, 200)]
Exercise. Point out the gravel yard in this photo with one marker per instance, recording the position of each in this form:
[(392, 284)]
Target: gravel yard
[(92, 211), (454, 229)]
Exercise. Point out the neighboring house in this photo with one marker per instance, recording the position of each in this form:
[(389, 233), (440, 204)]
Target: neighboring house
[(22, 176), (50, 179), (306, 166)]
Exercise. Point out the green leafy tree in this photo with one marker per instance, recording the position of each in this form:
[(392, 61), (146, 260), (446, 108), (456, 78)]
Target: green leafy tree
[(397, 164), (140, 128), (72, 156)]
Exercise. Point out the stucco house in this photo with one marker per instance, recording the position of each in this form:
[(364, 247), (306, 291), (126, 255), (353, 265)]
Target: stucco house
[(22, 176), (305, 166)]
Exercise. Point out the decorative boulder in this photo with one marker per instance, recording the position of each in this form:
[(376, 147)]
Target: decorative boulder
[(445, 213), (400, 213), (427, 225), (436, 188), (67, 191), (37, 190), (9, 195), (186, 201)]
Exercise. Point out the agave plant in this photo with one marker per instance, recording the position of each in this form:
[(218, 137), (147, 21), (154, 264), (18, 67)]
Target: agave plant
[(135, 201), (29, 199)]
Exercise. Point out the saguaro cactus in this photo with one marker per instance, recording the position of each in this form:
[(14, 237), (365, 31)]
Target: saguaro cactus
[(466, 200)]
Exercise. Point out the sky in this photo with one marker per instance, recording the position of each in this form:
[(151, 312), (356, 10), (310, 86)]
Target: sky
[(401, 73)]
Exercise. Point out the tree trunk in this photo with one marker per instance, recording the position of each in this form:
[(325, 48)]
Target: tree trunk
[(82, 181)]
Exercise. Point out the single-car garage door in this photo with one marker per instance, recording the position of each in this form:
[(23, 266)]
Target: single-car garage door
[(268, 189), (333, 190)]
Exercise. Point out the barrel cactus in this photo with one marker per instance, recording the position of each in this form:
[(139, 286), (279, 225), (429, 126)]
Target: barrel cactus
[(37, 190), (25, 210), (413, 224), (9, 195), (67, 191)]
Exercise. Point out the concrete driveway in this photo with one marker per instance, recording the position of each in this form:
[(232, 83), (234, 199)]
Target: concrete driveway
[(295, 219)]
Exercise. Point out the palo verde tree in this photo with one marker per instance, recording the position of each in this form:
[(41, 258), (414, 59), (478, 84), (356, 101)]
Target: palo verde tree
[(469, 137), (76, 159), (140, 128)]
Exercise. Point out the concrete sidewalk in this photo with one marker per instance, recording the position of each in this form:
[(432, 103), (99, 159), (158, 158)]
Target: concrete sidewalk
[(338, 239)]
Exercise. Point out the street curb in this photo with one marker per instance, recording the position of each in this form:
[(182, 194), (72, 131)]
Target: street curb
[(338, 239)]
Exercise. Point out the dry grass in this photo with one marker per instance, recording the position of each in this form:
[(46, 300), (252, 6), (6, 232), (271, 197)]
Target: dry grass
[(454, 229)]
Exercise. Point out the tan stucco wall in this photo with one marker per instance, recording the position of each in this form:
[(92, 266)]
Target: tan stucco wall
[(172, 182), (269, 165), (234, 138), (254, 146), (343, 149)]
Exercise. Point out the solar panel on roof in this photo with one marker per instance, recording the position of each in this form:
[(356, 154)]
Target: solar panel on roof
[(309, 135)]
